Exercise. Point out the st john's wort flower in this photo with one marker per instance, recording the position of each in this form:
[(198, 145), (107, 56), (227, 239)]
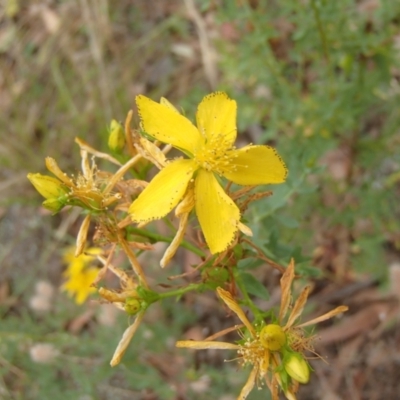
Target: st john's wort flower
[(211, 154)]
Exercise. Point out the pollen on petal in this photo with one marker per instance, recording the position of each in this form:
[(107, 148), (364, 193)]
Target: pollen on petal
[(256, 165), (217, 213), (164, 192), (216, 115)]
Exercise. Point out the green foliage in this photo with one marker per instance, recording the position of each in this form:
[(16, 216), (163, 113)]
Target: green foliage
[(316, 79)]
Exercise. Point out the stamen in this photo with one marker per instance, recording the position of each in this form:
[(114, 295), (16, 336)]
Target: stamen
[(216, 155)]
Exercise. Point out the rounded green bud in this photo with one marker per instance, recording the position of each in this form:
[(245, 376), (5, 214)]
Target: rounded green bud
[(54, 205), (296, 367), (116, 138), (47, 186), (215, 276), (272, 337), (132, 305)]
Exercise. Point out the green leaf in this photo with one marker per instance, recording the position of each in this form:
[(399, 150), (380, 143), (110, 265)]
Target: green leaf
[(254, 286)]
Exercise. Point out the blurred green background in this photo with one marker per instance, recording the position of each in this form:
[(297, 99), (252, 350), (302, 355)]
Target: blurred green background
[(319, 80)]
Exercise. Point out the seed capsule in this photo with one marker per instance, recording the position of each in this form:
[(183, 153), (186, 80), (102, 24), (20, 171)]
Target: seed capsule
[(272, 337)]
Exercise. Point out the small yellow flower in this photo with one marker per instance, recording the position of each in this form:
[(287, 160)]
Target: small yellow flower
[(80, 274), (211, 154)]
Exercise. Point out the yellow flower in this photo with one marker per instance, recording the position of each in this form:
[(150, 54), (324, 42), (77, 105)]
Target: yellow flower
[(79, 274), (211, 154)]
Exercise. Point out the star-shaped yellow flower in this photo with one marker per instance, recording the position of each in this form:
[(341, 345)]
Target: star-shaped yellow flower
[(211, 154)]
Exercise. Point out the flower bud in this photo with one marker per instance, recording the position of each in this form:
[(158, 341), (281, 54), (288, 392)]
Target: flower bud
[(272, 337), (47, 186), (132, 305), (116, 138), (53, 205), (296, 367)]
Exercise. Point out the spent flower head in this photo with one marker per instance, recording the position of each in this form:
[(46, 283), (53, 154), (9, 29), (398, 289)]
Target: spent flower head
[(275, 350), (86, 190), (211, 154), (298, 340)]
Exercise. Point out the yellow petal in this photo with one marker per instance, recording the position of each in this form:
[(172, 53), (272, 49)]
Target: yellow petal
[(164, 192), (53, 167), (204, 344), (216, 115), (290, 395), (82, 236), (245, 229), (174, 246), (151, 152), (298, 307), (217, 213), (165, 102), (249, 385), (165, 124), (256, 165), (47, 186), (330, 314), (286, 283), (234, 306), (125, 340)]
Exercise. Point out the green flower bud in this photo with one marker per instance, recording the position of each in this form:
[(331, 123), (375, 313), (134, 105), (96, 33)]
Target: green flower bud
[(296, 367), (132, 305), (47, 186), (116, 138), (54, 205), (272, 337)]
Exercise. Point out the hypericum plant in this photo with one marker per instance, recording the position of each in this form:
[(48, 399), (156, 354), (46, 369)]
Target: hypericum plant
[(201, 181)]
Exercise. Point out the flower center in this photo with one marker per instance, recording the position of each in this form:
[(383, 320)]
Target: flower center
[(254, 353), (272, 337), (216, 155)]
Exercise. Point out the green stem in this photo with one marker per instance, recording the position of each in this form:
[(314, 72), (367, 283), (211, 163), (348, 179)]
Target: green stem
[(247, 301), (160, 238), (181, 291)]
